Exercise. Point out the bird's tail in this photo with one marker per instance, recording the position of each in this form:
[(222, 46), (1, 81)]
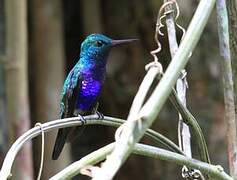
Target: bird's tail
[(59, 143)]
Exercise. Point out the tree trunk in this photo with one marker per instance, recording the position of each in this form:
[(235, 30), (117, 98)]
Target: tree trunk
[(232, 17), (229, 103), (3, 122), (47, 70), (17, 83)]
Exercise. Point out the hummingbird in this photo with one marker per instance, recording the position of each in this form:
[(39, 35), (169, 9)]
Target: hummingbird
[(84, 82)]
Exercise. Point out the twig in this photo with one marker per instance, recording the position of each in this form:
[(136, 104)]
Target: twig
[(132, 133), (184, 135), (60, 123), (189, 119), (228, 85), (144, 150), (181, 86), (179, 99), (42, 151)]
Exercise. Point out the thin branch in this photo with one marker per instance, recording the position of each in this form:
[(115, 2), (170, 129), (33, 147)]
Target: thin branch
[(181, 86), (68, 122), (184, 135), (228, 85), (145, 150), (42, 152), (191, 121), (132, 133)]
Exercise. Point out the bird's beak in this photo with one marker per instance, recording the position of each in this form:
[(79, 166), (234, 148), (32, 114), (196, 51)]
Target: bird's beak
[(123, 41)]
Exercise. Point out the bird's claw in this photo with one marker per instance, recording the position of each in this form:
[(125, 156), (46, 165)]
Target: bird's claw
[(82, 119), (100, 115)]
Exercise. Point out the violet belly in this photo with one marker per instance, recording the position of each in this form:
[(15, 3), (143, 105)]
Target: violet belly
[(90, 90)]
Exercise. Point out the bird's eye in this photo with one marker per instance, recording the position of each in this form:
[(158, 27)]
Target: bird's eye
[(98, 43)]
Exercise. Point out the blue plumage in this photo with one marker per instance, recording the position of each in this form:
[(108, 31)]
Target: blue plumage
[(84, 82)]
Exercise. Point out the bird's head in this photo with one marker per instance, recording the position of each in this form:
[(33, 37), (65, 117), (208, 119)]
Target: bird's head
[(98, 45)]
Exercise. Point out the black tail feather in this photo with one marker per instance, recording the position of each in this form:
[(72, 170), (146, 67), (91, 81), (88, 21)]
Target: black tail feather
[(59, 143)]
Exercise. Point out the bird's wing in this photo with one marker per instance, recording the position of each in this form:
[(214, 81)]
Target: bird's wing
[(67, 109), (69, 99)]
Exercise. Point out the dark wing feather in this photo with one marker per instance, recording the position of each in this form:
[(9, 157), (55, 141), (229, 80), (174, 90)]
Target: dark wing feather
[(69, 100)]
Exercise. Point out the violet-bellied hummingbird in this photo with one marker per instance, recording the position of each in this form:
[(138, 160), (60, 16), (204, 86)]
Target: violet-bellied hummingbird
[(83, 84)]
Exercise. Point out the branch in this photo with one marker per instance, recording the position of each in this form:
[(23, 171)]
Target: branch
[(68, 122), (145, 150), (181, 85), (189, 119), (132, 132), (228, 85), (184, 135)]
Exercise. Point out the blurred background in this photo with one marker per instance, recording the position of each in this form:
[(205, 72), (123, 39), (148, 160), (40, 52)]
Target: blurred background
[(39, 43)]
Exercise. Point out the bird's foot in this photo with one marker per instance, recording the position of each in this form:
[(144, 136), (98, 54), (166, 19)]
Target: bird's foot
[(82, 119), (100, 115)]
